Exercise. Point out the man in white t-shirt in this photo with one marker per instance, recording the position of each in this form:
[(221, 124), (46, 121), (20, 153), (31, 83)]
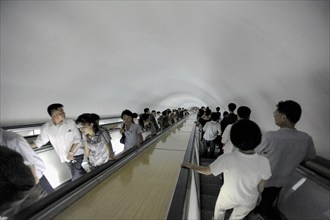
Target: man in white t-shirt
[(65, 137), (243, 112), (211, 131), (245, 172)]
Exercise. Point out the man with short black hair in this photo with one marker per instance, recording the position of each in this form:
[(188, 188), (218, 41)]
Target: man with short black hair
[(243, 112), (65, 137), (285, 148)]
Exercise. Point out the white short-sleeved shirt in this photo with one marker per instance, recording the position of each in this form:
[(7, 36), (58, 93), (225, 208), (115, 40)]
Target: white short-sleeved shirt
[(132, 136), (61, 136), (285, 149), (211, 129), (242, 174), (228, 145), (20, 145)]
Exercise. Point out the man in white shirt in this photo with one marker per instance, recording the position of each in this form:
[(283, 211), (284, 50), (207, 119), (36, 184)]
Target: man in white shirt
[(285, 148), (18, 143), (244, 171), (65, 137), (243, 112), (212, 129)]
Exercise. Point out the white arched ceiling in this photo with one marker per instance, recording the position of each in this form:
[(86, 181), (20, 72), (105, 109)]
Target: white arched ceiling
[(105, 56)]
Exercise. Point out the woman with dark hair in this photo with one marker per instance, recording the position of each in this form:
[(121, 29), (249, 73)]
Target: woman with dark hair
[(131, 131), (97, 140)]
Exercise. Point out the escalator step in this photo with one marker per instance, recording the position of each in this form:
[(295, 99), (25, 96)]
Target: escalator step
[(206, 160), (215, 180), (206, 215), (208, 202), (210, 189)]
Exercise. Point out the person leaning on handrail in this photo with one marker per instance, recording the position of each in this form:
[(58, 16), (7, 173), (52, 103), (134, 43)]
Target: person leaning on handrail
[(245, 172), (131, 131), (65, 137), (96, 139), (285, 148)]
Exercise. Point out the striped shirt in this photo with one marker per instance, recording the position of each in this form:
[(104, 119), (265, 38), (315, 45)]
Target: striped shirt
[(99, 152)]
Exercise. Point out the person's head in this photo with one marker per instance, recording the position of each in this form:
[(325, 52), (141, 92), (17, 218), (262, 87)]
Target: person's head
[(135, 115), (225, 113), (245, 134), (88, 123), (127, 116), (231, 107), (164, 113), (201, 113), (56, 112), (244, 112), (214, 116), (287, 112), (217, 108), (96, 118), (208, 112), (153, 112), (145, 116), (146, 110)]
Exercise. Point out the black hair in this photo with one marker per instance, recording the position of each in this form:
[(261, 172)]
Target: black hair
[(291, 109), (164, 113), (95, 117), (146, 110), (245, 134), (214, 116), (89, 118), (244, 112), (208, 112), (144, 116), (126, 112), (53, 107), (200, 113), (231, 107)]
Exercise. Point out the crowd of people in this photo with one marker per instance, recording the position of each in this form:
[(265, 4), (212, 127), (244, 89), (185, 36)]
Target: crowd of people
[(22, 179), (255, 167)]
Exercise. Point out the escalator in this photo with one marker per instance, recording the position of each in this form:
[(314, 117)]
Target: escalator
[(209, 191), (305, 196), (148, 160)]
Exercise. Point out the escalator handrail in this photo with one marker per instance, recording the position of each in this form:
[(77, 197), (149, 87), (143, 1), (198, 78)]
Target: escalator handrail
[(53, 203), (178, 203), (41, 123)]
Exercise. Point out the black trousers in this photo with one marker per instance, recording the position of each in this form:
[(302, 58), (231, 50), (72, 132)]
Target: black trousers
[(76, 168), (267, 206), (43, 182)]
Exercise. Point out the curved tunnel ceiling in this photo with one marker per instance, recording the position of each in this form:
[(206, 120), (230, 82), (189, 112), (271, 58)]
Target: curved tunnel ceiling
[(105, 56)]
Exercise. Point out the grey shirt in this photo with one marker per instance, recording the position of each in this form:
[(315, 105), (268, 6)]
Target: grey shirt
[(285, 149)]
